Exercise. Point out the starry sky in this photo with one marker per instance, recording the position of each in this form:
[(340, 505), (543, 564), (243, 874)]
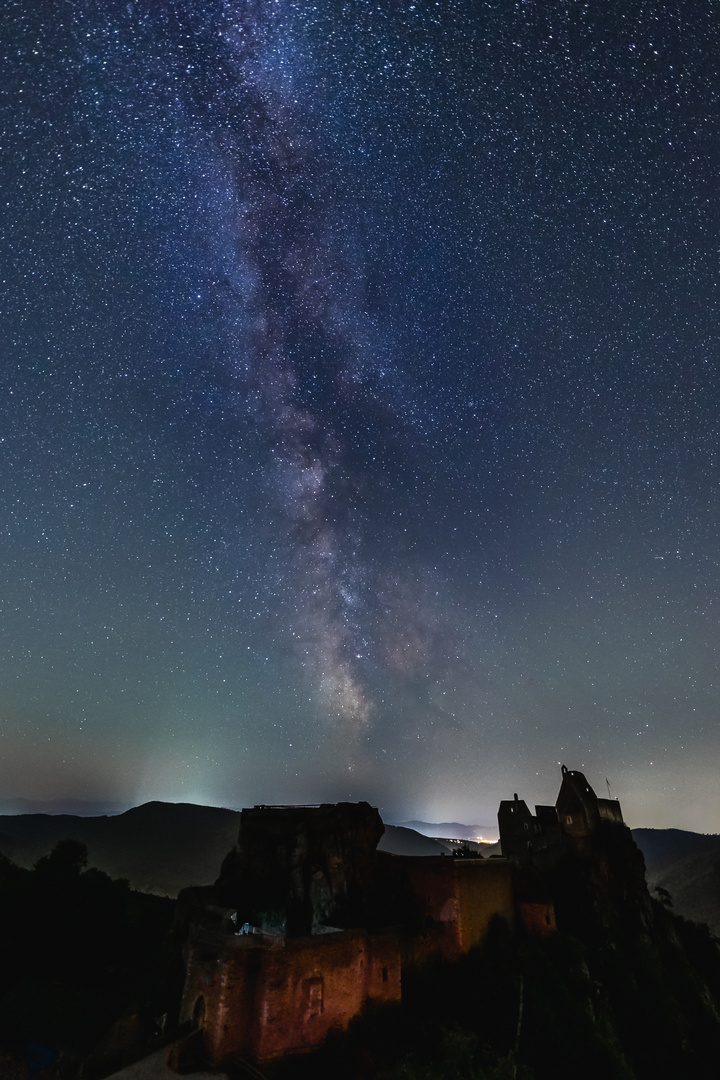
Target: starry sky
[(359, 403)]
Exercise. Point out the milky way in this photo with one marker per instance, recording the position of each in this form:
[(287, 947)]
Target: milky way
[(298, 357), (360, 403), (307, 354)]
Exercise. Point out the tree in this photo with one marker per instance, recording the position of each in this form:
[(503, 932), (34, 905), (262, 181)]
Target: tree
[(663, 896), (66, 860)]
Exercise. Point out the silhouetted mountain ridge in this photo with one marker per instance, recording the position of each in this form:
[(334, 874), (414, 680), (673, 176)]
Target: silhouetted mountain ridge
[(159, 847), (449, 830), (687, 866), (399, 840)]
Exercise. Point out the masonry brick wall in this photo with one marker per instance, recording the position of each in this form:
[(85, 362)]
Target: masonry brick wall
[(263, 999), (446, 904)]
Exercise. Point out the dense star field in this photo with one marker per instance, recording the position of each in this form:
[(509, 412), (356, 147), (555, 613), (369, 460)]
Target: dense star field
[(359, 400)]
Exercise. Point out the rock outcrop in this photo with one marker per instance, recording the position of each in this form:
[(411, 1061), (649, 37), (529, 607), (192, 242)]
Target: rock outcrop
[(295, 868)]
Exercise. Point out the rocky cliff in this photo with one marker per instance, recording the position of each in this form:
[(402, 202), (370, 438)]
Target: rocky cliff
[(295, 868)]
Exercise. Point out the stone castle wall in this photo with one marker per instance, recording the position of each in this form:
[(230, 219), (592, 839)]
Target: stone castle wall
[(445, 904), (261, 999)]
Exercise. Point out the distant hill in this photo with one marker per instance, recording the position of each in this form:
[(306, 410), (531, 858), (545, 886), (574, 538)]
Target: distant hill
[(450, 830), (663, 847), (687, 866), (399, 840), (159, 847)]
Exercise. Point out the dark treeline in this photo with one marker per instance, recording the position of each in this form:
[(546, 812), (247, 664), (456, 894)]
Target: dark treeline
[(88, 966)]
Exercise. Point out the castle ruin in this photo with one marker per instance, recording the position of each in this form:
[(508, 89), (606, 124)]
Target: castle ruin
[(308, 922)]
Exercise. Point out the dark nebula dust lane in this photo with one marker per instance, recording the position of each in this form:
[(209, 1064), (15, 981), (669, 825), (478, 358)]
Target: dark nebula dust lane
[(358, 404)]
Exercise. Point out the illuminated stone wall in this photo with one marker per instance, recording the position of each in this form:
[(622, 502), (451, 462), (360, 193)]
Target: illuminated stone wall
[(261, 999)]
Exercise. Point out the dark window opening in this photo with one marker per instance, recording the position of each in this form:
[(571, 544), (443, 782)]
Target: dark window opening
[(313, 997)]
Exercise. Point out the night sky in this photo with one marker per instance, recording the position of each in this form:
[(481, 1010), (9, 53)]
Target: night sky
[(359, 403)]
